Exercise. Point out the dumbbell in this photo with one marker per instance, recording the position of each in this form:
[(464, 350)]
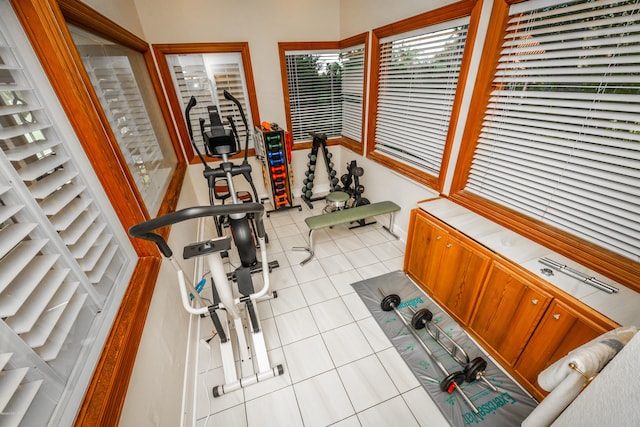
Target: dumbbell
[(452, 380), (473, 370)]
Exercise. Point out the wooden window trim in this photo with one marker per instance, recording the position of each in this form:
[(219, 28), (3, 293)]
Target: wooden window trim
[(460, 9), (608, 263), (45, 26), (162, 50), (363, 38), (82, 16), (105, 395)]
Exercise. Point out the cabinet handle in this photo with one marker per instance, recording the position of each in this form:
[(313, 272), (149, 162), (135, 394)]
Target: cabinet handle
[(534, 301), (448, 245), (556, 316), (438, 237)]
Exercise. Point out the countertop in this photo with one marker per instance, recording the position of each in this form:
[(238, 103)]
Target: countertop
[(622, 307)]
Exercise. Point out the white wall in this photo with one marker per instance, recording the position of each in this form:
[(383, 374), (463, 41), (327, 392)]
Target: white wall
[(154, 395), (260, 23), (122, 12), (359, 16), (612, 398)]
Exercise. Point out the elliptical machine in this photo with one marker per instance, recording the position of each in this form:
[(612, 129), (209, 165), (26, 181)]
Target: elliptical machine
[(223, 143), (233, 309)]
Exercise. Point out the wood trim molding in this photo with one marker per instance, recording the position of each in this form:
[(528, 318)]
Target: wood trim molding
[(460, 9), (79, 14), (82, 16), (482, 89), (107, 390), (283, 47), (160, 52), (355, 146), (46, 29)]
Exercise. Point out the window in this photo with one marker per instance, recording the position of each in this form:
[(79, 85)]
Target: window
[(314, 80), (206, 71), (64, 257), (560, 142), (207, 76), (416, 88), (121, 82), (353, 66), (324, 90)]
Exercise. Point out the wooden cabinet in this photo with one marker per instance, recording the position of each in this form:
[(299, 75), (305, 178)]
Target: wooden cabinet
[(521, 320), (561, 330), (448, 268), (507, 313), (424, 250)]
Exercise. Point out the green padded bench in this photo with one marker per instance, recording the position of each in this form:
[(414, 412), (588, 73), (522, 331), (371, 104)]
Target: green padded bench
[(346, 216)]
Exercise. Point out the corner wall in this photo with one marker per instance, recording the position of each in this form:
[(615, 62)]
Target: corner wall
[(155, 392)]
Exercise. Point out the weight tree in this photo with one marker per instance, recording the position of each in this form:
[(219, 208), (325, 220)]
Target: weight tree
[(319, 143)]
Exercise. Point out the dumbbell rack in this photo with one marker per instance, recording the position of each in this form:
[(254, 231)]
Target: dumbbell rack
[(319, 144), (272, 150)]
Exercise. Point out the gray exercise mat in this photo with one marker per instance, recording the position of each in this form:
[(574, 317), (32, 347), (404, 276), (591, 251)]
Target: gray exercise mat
[(508, 407)]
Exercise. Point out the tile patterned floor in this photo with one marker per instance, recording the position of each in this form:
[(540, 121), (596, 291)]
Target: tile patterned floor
[(339, 367)]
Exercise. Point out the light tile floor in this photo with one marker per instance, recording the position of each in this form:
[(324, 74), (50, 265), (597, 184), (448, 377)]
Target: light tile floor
[(339, 367)]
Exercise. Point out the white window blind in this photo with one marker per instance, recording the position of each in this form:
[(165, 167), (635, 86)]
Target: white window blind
[(352, 91), (418, 78), (315, 93), (64, 260), (207, 76), (560, 140)]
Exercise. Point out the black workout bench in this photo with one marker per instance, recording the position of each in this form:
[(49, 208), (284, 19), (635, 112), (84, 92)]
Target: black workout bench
[(346, 216)]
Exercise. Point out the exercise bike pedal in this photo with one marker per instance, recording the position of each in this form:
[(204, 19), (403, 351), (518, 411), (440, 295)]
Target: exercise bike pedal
[(219, 244), (256, 268)]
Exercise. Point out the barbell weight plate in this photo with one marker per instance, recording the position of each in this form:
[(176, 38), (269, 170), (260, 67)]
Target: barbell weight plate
[(473, 368), (420, 318), (389, 302), (451, 381)]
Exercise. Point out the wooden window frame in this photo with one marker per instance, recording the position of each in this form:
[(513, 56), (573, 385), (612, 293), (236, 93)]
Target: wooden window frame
[(603, 261), (162, 50), (45, 24), (460, 9), (283, 47)]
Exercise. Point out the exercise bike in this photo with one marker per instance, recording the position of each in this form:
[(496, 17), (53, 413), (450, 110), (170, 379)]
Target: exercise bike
[(234, 296)]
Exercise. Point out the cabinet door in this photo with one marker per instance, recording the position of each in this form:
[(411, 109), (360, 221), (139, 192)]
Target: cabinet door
[(462, 269), (425, 250), (561, 330), (508, 311)]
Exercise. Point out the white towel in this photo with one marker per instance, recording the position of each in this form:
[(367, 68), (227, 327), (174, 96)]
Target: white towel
[(566, 383)]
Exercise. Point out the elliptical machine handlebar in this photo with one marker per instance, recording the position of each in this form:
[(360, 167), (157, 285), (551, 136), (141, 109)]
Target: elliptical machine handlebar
[(144, 230), (187, 112)]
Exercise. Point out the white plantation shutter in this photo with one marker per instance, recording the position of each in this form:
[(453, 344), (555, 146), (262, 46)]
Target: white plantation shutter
[(228, 76), (191, 80), (315, 93), (61, 262), (207, 76), (417, 85), (115, 84), (560, 140), (352, 60)]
